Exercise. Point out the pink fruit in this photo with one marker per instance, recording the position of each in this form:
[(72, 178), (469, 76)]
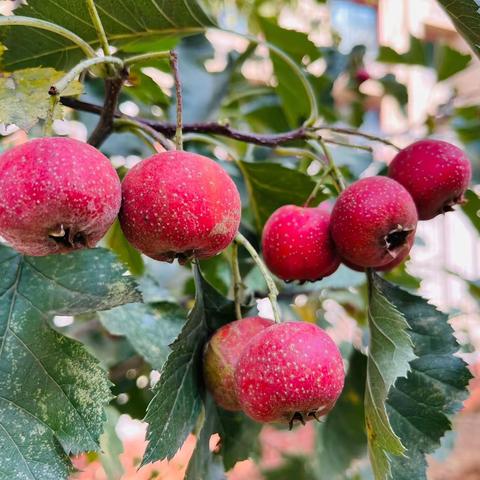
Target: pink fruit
[(221, 355), (435, 173), (56, 195), (296, 243), (179, 205), (374, 222), (289, 371), (361, 75), (384, 268)]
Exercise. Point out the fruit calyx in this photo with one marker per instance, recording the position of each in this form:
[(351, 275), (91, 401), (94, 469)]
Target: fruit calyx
[(300, 417), (182, 257), (68, 238), (396, 239)]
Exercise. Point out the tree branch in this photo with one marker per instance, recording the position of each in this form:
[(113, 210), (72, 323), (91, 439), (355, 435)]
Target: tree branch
[(108, 112), (168, 129)]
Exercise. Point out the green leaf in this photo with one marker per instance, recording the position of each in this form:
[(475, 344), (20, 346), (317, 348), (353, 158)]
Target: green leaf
[(390, 352), (449, 61), (271, 185), (174, 410), (116, 241), (238, 441), (466, 17), (342, 437), (396, 89), (126, 22), (111, 447), (150, 328), (416, 55), (205, 464), (419, 405), (192, 54), (472, 208), (297, 45), (24, 96), (53, 392)]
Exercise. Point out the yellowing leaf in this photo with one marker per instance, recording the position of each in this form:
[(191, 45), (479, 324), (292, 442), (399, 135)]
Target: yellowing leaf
[(24, 96)]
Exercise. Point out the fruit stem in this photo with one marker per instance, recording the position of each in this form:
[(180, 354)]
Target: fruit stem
[(272, 288), (358, 133), (318, 186), (138, 126), (295, 152), (145, 57), (348, 145), (63, 83), (312, 99), (48, 127), (237, 282), (178, 93), (51, 27), (102, 36), (336, 173)]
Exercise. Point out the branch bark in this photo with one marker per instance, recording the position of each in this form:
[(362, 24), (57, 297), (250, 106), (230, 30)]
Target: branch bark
[(168, 129), (108, 112)]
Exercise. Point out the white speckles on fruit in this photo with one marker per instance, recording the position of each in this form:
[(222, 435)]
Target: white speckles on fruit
[(179, 205), (56, 195), (304, 374), (365, 222), (435, 173), (296, 243)]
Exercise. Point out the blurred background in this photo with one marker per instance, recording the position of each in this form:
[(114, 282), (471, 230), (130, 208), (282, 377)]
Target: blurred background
[(394, 68)]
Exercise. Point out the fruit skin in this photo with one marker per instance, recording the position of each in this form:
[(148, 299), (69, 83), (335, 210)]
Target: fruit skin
[(436, 174), (289, 371), (373, 222), (361, 76), (221, 355), (384, 268), (296, 243), (56, 195), (179, 205)]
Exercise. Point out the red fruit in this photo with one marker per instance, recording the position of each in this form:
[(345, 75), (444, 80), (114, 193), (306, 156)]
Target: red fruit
[(179, 205), (374, 222), (56, 195), (289, 371), (296, 243), (361, 75), (435, 173), (384, 268), (221, 355)]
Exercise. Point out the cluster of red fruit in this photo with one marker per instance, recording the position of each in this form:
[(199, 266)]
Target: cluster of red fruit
[(274, 372), (59, 195), (373, 222)]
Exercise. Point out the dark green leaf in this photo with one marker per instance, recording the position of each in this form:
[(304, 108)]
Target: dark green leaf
[(395, 89), (449, 61), (150, 328), (177, 403), (297, 45), (238, 441), (271, 185), (472, 208), (192, 54), (466, 17), (53, 392), (342, 437), (390, 352), (418, 54), (117, 242), (419, 405), (126, 23)]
